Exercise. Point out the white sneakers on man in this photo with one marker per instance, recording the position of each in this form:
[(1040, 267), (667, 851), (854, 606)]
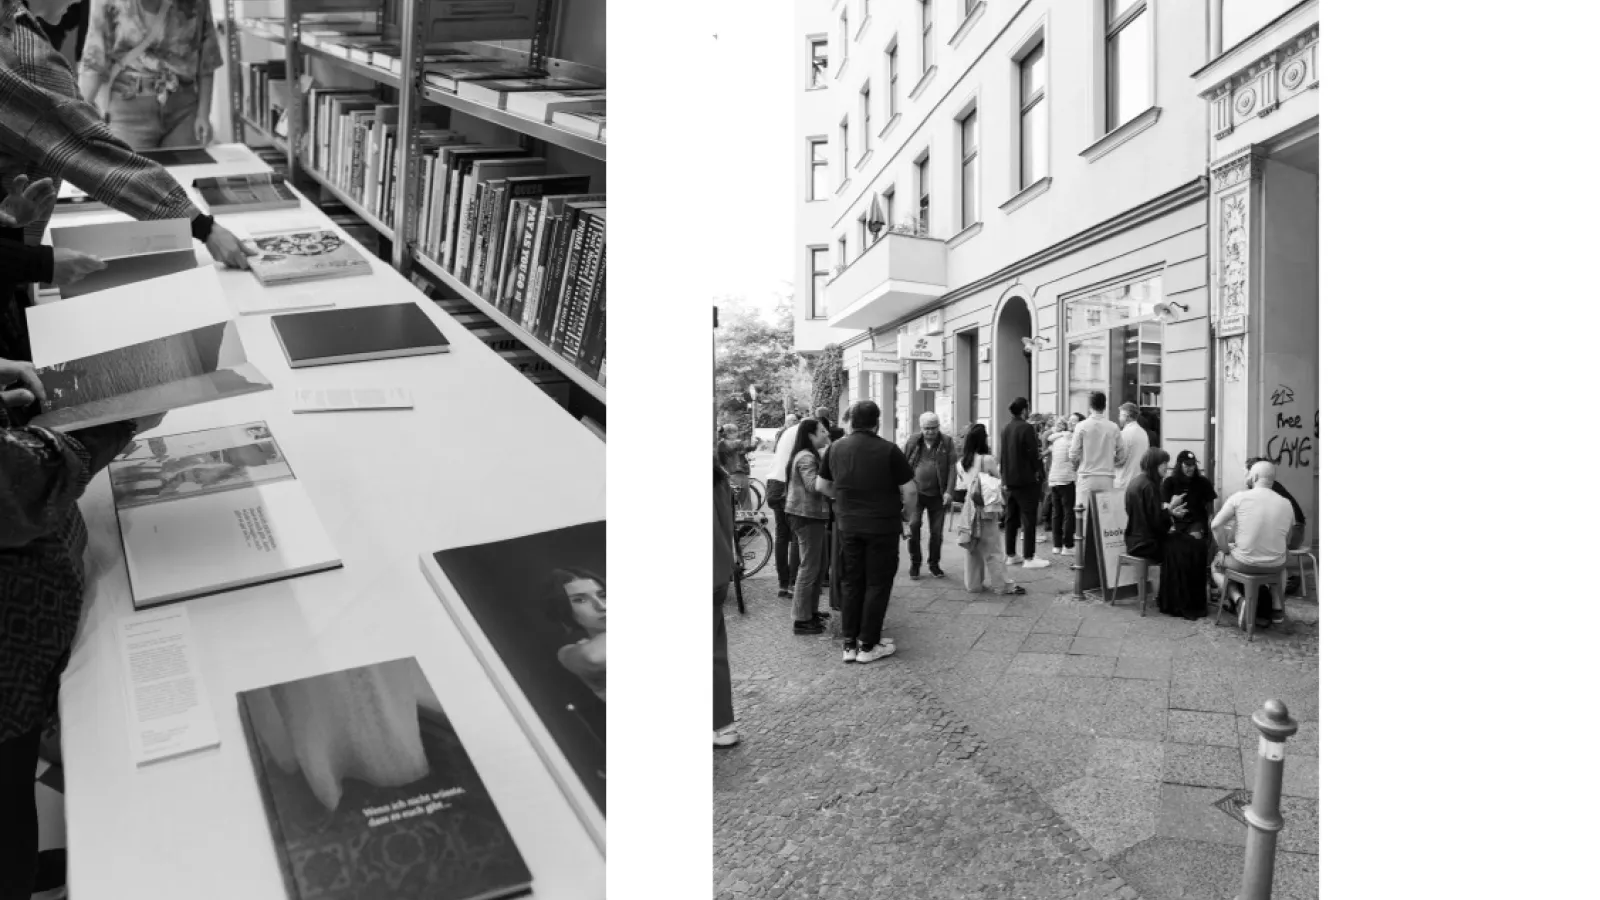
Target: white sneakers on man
[(1035, 563), (876, 653)]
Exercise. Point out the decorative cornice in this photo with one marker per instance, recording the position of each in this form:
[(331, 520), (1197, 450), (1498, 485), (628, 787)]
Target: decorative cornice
[(1236, 169), (1186, 195), (1291, 48)]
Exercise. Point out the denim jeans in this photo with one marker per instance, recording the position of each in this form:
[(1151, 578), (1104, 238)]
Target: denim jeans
[(870, 561), (811, 536), (146, 123), (934, 506)]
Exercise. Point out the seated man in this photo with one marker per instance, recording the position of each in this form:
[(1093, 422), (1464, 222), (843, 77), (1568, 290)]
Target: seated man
[(1298, 536), (1262, 521)]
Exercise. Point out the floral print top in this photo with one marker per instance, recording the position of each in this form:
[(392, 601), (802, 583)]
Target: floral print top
[(187, 49)]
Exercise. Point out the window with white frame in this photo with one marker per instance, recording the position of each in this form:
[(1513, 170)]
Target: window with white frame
[(819, 63), (1113, 344), (969, 169), (819, 281), (866, 118), (1034, 162), (818, 189), (1129, 90), (893, 55), (921, 166), (927, 35)]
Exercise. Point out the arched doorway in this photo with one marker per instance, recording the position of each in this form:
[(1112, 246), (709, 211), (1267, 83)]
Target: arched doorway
[(1013, 369)]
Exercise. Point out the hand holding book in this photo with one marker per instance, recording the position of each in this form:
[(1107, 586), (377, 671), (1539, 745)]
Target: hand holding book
[(14, 373)]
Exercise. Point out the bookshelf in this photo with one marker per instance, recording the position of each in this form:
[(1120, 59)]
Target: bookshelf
[(563, 38)]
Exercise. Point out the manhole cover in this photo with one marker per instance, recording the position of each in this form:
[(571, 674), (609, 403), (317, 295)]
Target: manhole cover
[(1234, 804)]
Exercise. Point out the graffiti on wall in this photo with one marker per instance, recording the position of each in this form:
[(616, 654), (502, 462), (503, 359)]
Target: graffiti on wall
[(1291, 446)]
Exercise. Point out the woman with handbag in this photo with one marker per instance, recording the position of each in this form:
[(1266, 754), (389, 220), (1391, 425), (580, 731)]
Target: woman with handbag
[(155, 58), (979, 528), (808, 522)]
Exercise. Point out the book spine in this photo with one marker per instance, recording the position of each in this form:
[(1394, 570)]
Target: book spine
[(566, 281), (471, 201), (594, 257), (489, 241), (581, 275), (549, 251), (511, 245), (594, 343), (519, 290), (451, 200)]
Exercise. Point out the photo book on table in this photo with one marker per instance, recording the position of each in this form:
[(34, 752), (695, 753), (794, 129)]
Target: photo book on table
[(144, 348), (255, 192), (357, 334), (212, 511), (370, 793), (294, 255), (533, 608), (131, 251)]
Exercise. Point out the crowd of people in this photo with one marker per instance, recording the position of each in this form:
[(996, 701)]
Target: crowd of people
[(843, 499)]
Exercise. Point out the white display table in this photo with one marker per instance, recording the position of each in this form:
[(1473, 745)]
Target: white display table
[(485, 455)]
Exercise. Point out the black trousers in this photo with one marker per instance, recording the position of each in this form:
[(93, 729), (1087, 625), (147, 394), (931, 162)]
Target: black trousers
[(870, 562), (933, 505), (1022, 503), (785, 547), (19, 820), (1063, 497), (721, 675)]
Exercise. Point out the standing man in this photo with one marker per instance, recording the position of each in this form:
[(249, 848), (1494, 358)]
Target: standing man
[(1022, 470), (1096, 451), (932, 457), (1260, 542), (732, 453), (1135, 441), (785, 547), (875, 495)]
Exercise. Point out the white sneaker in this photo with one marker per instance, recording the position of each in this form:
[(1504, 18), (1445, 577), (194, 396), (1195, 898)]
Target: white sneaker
[(724, 739), (850, 653), (876, 653), (1013, 560), (1036, 564)]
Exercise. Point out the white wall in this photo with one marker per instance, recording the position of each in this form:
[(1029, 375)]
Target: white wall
[(1289, 360)]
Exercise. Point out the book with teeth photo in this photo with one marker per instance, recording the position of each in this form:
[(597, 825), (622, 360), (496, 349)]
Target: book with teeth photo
[(294, 255), (369, 792), (212, 511)]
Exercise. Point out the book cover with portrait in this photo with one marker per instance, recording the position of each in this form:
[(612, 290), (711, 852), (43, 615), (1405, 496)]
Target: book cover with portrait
[(369, 793), (534, 610)]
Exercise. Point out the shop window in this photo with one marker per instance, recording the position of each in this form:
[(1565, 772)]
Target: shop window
[(818, 189), (1113, 344)]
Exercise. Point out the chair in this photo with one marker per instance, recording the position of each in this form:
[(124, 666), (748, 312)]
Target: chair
[(1252, 584), (1141, 570), (1299, 555)]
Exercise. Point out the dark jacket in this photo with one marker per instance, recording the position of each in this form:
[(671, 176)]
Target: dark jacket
[(943, 457), (1148, 521), (1021, 461), (1281, 491)]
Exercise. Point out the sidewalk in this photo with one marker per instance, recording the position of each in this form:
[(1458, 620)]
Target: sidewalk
[(1013, 747)]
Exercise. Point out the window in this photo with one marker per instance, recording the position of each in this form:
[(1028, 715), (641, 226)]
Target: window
[(1093, 316), (842, 248), (922, 193), (927, 35), (819, 63), (866, 118), (818, 189), (1128, 38), (1031, 120), (844, 149), (1113, 345), (894, 80), (866, 10), (819, 278), (888, 208), (844, 35), (969, 169)]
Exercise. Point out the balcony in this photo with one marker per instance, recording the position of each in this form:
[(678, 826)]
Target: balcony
[(895, 277)]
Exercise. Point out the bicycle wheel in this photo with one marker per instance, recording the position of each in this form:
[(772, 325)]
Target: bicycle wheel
[(755, 547), (756, 495)]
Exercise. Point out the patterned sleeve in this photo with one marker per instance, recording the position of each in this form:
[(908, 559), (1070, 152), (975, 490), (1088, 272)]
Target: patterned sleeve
[(43, 473), (98, 39), (210, 52)]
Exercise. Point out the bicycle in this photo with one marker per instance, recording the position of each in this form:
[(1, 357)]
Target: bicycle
[(750, 498), (754, 542)]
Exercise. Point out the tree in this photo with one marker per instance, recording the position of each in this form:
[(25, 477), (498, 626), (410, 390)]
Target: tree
[(828, 380), (751, 351)]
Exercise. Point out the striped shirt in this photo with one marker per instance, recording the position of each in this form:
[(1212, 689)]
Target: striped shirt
[(47, 130)]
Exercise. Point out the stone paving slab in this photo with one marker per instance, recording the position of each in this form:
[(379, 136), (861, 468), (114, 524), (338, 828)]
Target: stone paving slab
[(1038, 746)]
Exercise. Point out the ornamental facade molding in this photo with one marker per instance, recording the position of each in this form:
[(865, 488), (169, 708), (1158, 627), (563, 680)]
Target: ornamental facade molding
[(1267, 82)]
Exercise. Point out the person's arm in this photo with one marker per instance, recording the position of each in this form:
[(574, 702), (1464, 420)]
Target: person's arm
[(1119, 457), (43, 473), (1075, 447), (94, 66), (825, 478), (806, 466), (210, 62), (1219, 525), (901, 474)]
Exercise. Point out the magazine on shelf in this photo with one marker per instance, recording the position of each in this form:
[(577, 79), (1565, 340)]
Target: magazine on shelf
[(589, 123), (137, 350), (212, 511), (494, 92), (539, 105), (131, 251), (255, 192), (533, 609), (294, 255), (369, 791), (357, 334), (449, 76)]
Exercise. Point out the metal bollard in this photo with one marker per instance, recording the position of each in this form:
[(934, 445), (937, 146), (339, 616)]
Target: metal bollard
[(1078, 512), (1263, 816)]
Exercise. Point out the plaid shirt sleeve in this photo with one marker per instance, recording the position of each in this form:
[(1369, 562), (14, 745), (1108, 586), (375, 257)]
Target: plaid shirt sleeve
[(48, 126)]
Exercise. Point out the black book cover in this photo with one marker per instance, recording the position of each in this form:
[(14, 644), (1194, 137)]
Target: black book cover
[(356, 333), (369, 793), (541, 601), (179, 156)]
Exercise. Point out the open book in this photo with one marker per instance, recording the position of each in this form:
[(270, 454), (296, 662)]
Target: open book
[(132, 251), (149, 347), (253, 192), (211, 511)]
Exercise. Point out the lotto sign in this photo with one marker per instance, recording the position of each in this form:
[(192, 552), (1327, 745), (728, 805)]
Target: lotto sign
[(920, 348)]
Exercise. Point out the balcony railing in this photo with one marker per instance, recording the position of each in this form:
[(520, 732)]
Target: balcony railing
[(895, 277)]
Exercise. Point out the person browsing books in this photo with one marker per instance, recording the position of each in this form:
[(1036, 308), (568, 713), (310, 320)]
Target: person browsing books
[(42, 539)]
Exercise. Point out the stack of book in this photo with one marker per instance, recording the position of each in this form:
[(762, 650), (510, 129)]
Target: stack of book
[(534, 99), (353, 138), (266, 93), (557, 284)]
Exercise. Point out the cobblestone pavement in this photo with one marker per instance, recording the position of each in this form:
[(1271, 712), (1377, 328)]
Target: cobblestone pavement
[(1024, 747)]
